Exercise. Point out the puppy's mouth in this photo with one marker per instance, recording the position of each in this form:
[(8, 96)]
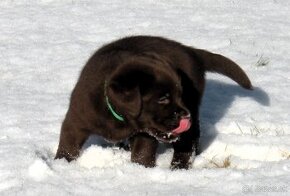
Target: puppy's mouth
[(162, 136), (172, 136)]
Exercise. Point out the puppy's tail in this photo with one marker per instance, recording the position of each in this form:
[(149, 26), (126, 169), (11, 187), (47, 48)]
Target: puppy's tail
[(220, 64)]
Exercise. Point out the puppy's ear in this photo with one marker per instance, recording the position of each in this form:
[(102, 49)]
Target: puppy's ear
[(125, 90)]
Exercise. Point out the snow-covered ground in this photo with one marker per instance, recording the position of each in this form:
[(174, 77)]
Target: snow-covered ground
[(246, 134)]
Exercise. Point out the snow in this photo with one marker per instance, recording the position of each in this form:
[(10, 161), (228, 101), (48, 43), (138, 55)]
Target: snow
[(245, 134)]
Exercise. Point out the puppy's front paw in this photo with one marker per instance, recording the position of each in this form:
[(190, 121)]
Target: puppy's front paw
[(62, 154), (181, 160), (148, 163)]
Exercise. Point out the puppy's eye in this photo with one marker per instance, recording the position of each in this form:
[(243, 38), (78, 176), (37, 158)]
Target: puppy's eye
[(164, 100)]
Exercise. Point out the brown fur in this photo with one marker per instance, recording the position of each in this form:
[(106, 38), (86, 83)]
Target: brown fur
[(134, 73)]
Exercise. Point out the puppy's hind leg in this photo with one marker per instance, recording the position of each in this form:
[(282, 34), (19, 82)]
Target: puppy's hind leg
[(71, 141)]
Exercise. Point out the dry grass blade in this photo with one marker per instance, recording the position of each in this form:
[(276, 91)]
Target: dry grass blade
[(225, 164)]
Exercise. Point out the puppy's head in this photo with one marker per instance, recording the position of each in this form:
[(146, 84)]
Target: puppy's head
[(149, 96)]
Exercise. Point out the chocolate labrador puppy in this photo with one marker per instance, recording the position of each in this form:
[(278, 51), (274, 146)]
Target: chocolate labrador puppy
[(145, 89)]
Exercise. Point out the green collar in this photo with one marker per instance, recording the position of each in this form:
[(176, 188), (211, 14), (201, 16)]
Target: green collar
[(110, 107)]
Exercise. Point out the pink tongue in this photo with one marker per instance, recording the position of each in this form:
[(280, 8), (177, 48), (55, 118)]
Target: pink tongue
[(184, 125)]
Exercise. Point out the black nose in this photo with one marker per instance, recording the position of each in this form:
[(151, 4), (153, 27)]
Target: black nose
[(181, 113)]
